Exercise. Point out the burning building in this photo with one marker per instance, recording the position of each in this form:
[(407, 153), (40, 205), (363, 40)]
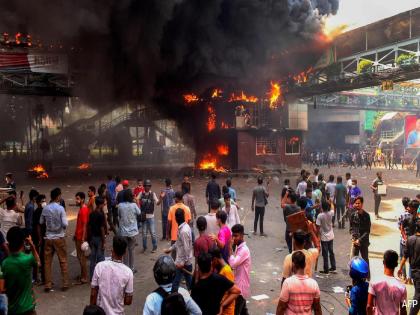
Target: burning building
[(241, 131)]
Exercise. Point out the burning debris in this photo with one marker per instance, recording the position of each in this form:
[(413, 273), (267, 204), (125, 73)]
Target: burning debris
[(84, 166), (243, 98), (191, 98), (209, 162), (38, 171)]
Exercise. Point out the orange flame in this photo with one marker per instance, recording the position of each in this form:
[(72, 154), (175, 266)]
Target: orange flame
[(243, 97), (84, 166), (39, 169), (190, 98), (303, 76), (330, 32), (211, 119), (274, 94), (216, 93), (293, 140), (224, 125), (209, 162), (223, 149)]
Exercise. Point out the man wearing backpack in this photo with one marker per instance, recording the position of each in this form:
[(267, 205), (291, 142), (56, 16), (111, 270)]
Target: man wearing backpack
[(163, 301), (147, 201)]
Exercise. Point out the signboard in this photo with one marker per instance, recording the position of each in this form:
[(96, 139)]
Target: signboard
[(39, 63), (370, 116), (412, 132)]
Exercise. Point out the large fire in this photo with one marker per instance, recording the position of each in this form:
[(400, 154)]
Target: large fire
[(84, 166), (330, 32), (39, 170), (209, 162), (190, 98), (211, 118), (274, 94), (243, 97), (223, 149)]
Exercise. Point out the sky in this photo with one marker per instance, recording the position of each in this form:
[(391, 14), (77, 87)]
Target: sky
[(356, 13)]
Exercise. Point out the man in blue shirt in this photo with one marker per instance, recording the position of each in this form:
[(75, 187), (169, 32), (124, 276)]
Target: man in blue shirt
[(413, 139), (164, 273), (55, 219), (232, 192), (29, 210)]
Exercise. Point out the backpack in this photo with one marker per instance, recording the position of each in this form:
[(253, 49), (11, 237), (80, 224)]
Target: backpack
[(173, 303)]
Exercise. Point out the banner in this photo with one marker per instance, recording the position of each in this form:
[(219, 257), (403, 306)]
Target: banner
[(38, 63), (412, 131)]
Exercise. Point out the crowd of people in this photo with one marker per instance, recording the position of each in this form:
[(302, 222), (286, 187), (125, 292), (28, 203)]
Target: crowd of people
[(206, 272)]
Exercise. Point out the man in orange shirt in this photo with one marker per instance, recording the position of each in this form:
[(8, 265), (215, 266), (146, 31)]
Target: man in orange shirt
[(80, 235), (220, 266), (172, 225)]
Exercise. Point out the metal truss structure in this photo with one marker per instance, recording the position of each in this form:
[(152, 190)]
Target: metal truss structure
[(382, 64), (382, 102), (41, 84)]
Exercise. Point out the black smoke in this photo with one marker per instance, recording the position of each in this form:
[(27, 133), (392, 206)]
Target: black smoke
[(153, 51)]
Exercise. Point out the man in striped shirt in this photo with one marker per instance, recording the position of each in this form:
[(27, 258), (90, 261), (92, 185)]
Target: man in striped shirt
[(299, 293)]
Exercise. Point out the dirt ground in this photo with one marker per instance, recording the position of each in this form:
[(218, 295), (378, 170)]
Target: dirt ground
[(267, 252)]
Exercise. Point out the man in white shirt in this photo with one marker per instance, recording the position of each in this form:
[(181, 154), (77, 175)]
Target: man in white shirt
[(325, 228), (232, 212), (212, 226), (9, 217), (112, 281), (301, 187), (387, 294)]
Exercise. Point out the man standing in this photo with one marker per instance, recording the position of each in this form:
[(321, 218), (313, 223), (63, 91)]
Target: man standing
[(232, 192), (111, 186), (259, 199), (325, 228), (189, 201), (172, 223), (405, 226), (17, 273), (186, 184), (184, 251), (355, 192), (377, 197), (360, 229), (299, 293), (38, 235), (148, 200), (220, 266), (212, 190), (223, 291), (55, 219), (80, 235), (299, 239), (96, 234), (167, 200), (139, 188), (412, 252), (301, 187), (164, 273), (224, 236), (112, 281), (240, 261), (10, 183), (387, 294), (128, 212), (29, 210), (91, 200), (231, 211), (340, 198), (212, 226), (289, 206)]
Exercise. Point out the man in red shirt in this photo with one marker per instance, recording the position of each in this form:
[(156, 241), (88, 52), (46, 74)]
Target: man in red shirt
[(203, 244), (139, 188), (80, 235)]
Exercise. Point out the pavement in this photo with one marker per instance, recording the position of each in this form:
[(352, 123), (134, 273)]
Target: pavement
[(267, 252)]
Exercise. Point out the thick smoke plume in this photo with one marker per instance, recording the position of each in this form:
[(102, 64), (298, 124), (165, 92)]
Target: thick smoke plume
[(154, 50)]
